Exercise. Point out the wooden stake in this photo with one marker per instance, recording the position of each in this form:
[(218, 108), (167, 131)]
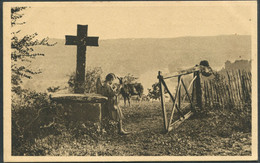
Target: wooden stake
[(179, 95), (198, 90), (162, 101)]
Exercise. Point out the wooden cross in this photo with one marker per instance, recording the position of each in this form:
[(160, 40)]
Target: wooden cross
[(82, 41)]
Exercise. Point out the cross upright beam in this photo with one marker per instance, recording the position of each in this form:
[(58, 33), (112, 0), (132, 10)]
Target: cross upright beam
[(82, 41)]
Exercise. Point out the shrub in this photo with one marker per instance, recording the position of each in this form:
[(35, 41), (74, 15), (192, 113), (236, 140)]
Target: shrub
[(92, 74), (33, 115)]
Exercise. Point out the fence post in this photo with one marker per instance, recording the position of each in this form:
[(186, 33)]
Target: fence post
[(198, 92), (179, 94), (162, 101)]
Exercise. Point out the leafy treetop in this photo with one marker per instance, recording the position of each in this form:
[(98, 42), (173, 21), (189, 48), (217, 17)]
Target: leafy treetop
[(22, 51)]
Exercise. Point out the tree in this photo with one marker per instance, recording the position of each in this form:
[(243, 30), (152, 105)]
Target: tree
[(129, 79), (22, 52), (154, 93), (92, 75)]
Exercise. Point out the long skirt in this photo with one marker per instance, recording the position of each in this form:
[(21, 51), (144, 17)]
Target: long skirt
[(116, 113)]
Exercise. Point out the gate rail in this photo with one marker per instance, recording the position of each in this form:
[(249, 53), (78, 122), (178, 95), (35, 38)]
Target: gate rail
[(177, 103)]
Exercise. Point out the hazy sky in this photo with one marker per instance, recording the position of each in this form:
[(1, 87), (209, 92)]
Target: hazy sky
[(139, 19), (110, 20)]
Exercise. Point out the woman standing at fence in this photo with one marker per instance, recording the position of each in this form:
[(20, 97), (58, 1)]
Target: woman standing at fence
[(112, 109)]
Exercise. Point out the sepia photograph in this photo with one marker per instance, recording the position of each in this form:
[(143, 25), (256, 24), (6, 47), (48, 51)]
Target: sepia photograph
[(130, 81)]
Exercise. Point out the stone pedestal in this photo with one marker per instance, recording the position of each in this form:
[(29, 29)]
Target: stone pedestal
[(81, 107)]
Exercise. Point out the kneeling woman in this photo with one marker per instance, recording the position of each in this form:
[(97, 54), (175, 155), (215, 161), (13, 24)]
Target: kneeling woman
[(113, 110)]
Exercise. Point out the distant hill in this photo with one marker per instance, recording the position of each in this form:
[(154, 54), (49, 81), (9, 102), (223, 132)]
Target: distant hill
[(142, 57), (242, 65)]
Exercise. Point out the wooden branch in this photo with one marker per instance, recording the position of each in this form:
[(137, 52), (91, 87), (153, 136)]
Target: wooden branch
[(178, 122), (178, 87), (207, 71), (173, 99), (198, 90), (189, 88), (192, 82), (162, 101), (184, 72), (187, 93), (179, 94)]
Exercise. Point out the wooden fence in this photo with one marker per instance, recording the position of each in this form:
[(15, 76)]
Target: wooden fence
[(232, 89), (194, 98)]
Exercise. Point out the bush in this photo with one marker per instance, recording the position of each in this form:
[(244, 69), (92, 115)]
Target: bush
[(92, 74), (33, 115)]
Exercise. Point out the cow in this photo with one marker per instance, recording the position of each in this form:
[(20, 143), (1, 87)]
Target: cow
[(130, 89)]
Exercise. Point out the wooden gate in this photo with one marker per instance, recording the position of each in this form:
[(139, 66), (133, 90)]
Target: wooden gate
[(194, 98)]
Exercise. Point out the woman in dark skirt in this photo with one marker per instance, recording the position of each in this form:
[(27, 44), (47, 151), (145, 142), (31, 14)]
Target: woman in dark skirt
[(112, 109)]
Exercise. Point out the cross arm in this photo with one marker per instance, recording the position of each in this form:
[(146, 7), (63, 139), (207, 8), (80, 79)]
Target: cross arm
[(71, 40), (87, 41), (91, 41)]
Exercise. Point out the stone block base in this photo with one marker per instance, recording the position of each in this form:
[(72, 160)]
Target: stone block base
[(81, 107), (83, 111)]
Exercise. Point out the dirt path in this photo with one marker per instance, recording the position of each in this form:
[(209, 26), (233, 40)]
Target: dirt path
[(196, 136)]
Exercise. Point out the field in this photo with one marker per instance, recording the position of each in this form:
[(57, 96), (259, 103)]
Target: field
[(215, 132)]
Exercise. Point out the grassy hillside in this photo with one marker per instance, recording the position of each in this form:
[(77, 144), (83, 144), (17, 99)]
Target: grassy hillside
[(217, 134), (142, 57)]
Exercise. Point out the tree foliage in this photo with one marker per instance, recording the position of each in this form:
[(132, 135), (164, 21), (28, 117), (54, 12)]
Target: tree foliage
[(129, 79), (92, 74), (154, 93), (22, 51)]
